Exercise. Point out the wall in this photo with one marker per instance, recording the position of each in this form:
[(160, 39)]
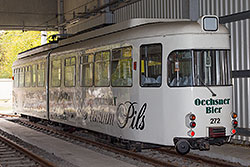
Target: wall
[(150, 9), (5, 89), (240, 54)]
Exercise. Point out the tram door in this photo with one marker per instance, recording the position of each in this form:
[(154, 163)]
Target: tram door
[(151, 81)]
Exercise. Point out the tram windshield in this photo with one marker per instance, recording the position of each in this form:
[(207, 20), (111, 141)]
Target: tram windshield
[(199, 68)]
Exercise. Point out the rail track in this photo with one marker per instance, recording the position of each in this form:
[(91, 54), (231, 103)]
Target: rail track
[(162, 156), (12, 155)]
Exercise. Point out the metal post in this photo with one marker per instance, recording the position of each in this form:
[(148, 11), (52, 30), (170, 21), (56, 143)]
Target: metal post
[(47, 84), (194, 10), (60, 5)]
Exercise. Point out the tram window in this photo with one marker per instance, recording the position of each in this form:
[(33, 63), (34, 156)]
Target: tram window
[(212, 67), (121, 67), (56, 73), (17, 77), (15, 83), (40, 75), (180, 68), (70, 72), (86, 70), (27, 76), (102, 68), (34, 75), (199, 68), (14, 74), (151, 65), (21, 75)]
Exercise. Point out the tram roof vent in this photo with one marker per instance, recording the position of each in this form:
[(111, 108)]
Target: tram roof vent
[(209, 23)]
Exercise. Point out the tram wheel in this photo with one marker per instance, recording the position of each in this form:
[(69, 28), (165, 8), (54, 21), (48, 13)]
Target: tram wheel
[(182, 147)]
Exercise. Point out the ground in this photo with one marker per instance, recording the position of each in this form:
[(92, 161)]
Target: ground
[(5, 106)]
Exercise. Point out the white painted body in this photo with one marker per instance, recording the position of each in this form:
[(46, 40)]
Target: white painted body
[(166, 107)]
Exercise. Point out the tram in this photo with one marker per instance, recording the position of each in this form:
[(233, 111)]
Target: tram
[(155, 81)]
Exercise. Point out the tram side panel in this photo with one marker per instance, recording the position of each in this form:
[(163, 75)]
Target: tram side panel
[(62, 99), (29, 94)]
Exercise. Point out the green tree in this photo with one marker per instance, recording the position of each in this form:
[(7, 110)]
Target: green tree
[(14, 42)]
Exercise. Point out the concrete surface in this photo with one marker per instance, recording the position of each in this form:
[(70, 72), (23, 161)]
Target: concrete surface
[(84, 157), (5, 107), (70, 152)]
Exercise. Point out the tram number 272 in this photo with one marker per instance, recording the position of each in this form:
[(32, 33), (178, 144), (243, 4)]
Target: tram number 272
[(214, 120)]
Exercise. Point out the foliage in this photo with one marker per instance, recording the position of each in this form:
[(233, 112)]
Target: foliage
[(14, 42)]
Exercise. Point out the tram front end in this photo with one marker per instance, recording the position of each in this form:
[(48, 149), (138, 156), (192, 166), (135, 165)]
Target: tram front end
[(200, 80)]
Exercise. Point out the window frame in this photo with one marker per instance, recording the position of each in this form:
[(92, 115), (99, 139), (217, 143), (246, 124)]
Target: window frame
[(27, 70), (192, 72), (15, 73), (121, 58), (140, 82), (44, 72), (180, 50), (81, 64), (102, 62), (64, 70), (21, 77), (18, 77), (51, 77), (34, 83)]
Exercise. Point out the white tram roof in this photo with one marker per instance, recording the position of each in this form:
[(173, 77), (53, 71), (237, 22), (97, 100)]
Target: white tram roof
[(151, 27), (36, 50), (128, 24)]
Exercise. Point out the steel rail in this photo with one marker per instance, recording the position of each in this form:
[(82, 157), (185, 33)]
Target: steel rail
[(208, 160), (117, 150), (29, 154), (134, 155)]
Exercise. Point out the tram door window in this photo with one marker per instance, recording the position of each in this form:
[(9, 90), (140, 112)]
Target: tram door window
[(121, 67), (56, 73), (86, 70), (40, 75), (151, 65), (70, 72), (27, 76), (34, 73), (21, 83), (180, 68), (102, 60)]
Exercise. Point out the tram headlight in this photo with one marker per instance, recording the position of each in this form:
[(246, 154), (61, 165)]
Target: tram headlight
[(192, 117), (192, 124), (234, 115), (233, 131), (209, 23), (190, 120), (235, 123), (191, 133)]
